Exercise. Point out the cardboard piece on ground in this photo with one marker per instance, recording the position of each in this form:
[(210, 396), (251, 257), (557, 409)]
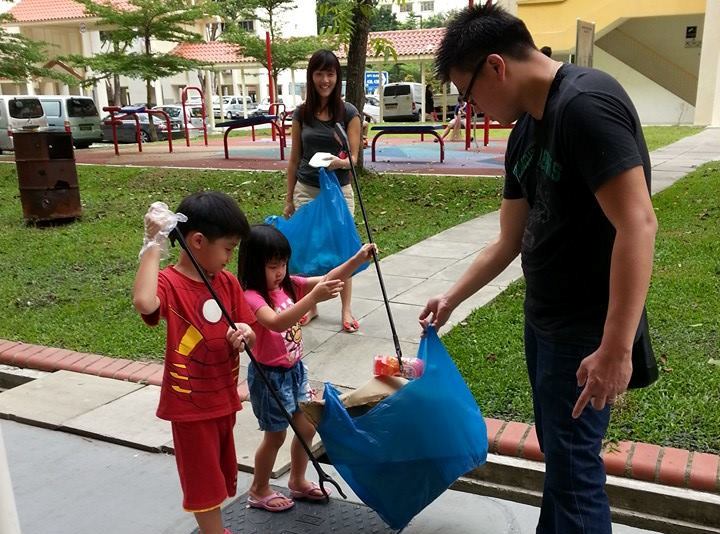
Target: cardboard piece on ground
[(359, 400)]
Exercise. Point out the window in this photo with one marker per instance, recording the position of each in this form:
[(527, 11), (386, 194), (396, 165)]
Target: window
[(247, 25), (406, 7), (427, 6), (299, 89), (81, 107), (396, 90), (25, 108), (52, 108)]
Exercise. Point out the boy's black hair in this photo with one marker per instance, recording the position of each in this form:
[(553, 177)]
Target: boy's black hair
[(213, 214), (264, 243), (547, 51), (475, 33)]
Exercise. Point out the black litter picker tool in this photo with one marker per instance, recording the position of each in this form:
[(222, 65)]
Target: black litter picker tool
[(322, 476), (340, 130)]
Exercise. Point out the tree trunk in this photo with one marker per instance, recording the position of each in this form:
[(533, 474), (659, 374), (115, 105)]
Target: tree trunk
[(357, 53), (149, 93), (116, 90)]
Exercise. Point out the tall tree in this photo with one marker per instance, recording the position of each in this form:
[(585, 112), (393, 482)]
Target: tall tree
[(108, 65), (286, 52), (351, 23), (21, 58), (383, 19), (268, 13), (143, 22)]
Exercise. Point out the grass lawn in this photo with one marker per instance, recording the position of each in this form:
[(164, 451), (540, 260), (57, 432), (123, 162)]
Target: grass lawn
[(683, 408), (69, 286)]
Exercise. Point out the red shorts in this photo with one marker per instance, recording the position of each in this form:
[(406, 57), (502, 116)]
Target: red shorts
[(206, 462)]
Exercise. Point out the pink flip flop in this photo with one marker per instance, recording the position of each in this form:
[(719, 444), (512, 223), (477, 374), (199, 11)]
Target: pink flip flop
[(305, 319), (264, 503), (313, 493), (351, 326)]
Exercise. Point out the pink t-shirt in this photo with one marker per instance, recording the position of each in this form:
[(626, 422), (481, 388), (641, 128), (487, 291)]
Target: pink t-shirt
[(274, 348)]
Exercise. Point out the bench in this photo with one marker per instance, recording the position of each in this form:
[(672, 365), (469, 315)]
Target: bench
[(414, 129), (256, 120)]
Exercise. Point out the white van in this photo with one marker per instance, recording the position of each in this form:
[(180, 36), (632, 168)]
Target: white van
[(18, 113), (76, 115), (402, 101), (233, 106)]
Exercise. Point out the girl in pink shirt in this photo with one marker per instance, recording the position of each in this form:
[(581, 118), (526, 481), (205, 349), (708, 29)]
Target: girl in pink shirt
[(279, 301)]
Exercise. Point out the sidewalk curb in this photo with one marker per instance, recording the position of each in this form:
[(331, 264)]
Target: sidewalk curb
[(634, 460)]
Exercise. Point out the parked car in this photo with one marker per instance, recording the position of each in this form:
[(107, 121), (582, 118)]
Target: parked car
[(371, 109), (126, 129), (19, 113), (233, 106), (76, 115), (263, 107), (175, 112), (402, 101)]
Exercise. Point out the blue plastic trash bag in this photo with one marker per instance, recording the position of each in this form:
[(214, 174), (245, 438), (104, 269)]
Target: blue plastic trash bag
[(321, 233), (407, 450)]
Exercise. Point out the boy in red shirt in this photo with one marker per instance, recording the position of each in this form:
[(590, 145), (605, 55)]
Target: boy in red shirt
[(199, 390)]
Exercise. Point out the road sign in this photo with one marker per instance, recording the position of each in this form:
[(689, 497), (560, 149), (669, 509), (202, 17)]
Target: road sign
[(372, 80)]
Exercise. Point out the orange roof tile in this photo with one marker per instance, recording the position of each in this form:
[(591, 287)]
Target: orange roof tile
[(407, 42), (53, 10), (213, 52)]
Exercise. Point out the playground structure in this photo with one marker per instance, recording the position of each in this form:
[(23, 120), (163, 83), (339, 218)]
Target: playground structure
[(275, 125), (131, 113), (401, 129), (203, 113)]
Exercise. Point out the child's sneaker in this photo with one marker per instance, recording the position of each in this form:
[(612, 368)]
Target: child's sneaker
[(227, 531)]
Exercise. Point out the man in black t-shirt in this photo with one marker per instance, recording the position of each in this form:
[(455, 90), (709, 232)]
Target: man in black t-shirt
[(576, 205)]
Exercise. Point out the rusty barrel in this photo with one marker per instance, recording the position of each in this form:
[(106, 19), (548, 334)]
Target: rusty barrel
[(47, 176)]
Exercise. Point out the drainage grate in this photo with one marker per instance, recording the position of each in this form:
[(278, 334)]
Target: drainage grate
[(336, 517)]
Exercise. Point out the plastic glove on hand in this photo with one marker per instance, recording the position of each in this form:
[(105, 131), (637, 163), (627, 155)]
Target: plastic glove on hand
[(159, 222)]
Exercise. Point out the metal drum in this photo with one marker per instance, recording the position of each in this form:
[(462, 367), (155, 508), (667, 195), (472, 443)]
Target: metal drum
[(47, 176)]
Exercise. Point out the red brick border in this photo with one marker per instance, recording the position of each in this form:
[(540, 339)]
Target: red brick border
[(643, 461)]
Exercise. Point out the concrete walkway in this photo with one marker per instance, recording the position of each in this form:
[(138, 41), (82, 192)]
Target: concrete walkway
[(123, 412), (67, 484)]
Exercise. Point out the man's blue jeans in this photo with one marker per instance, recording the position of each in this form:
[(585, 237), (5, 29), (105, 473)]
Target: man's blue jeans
[(574, 499)]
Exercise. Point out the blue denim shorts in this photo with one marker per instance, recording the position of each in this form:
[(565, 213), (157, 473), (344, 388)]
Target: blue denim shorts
[(292, 387)]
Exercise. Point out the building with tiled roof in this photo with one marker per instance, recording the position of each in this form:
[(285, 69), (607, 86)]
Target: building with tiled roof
[(409, 44), (68, 29), (33, 11), (214, 53)]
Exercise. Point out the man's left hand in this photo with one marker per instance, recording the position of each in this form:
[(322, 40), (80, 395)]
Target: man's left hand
[(605, 375)]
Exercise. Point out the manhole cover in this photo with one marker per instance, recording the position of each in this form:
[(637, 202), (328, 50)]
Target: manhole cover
[(336, 517)]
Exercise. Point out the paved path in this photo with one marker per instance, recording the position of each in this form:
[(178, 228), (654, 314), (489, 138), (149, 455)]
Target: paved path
[(123, 412), (66, 484)]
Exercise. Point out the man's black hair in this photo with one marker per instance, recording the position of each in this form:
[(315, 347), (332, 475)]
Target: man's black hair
[(478, 31), (547, 51), (214, 214)]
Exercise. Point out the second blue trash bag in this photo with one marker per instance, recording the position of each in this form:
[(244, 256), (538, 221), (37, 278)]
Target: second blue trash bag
[(321, 233), (408, 449)]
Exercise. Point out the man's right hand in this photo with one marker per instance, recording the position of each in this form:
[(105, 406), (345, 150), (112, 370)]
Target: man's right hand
[(436, 312), (289, 209)]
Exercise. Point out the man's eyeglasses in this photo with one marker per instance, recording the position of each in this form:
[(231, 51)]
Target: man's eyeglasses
[(478, 67)]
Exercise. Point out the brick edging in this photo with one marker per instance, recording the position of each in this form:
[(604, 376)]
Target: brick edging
[(643, 461), (20, 354)]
